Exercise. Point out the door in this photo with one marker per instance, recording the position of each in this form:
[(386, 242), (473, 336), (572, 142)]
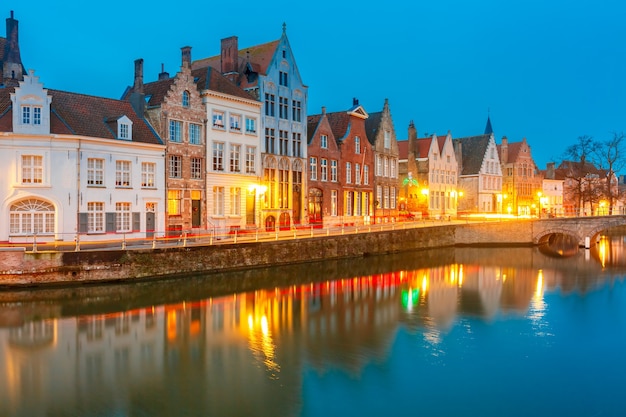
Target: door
[(196, 213), (150, 219)]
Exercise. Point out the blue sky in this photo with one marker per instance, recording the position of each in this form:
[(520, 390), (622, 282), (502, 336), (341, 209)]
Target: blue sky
[(550, 71)]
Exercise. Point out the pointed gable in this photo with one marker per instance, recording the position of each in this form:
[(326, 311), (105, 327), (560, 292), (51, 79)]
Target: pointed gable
[(473, 150)]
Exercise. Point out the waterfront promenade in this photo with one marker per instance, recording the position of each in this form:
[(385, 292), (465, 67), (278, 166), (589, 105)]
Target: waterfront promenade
[(149, 259)]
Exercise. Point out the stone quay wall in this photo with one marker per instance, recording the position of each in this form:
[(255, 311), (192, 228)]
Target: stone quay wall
[(21, 268)]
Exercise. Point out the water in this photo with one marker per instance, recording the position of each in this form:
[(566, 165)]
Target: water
[(480, 332)]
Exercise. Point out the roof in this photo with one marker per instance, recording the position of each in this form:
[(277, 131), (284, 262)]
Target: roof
[(83, 115), (512, 153), (312, 123), (473, 151), (488, 128), (372, 124), (212, 79), (577, 169), (423, 146)]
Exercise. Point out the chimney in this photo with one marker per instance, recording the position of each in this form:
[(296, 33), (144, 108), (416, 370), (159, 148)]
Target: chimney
[(323, 109), (163, 75), (186, 52), (12, 67), (550, 170), (138, 84), (137, 97), (355, 101), (230, 57), (504, 150)]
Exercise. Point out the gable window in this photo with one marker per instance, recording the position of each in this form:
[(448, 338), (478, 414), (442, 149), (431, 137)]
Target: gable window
[(175, 131), (31, 216), (194, 134), (148, 172), (357, 144), (283, 107), (250, 125), (218, 119), (283, 78), (32, 169), (122, 173), (297, 111), (324, 142), (387, 139), (95, 171), (124, 131), (270, 102), (31, 115), (185, 98)]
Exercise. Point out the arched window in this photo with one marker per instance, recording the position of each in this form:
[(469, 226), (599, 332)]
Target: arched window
[(185, 98), (32, 216)]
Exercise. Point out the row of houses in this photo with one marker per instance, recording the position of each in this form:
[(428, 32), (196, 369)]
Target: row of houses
[(229, 143)]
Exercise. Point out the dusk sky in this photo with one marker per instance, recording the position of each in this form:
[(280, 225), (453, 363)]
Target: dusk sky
[(549, 71)]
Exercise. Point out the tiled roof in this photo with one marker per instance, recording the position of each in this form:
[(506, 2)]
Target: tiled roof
[(156, 91), (83, 115), (574, 169), (3, 42), (339, 124), (513, 151), (423, 145), (312, 122), (211, 79), (473, 151)]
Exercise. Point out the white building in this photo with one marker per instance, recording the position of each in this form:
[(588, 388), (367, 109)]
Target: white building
[(76, 166)]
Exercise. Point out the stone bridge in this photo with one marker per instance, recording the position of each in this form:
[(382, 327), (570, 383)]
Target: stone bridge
[(582, 229)]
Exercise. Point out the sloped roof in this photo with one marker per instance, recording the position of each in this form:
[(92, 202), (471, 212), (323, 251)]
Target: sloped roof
[(422, 145), (512, 153), (212, 79), (372, 124), (83, 115), (312, 123), (576, 169), (473, 151), (156, 91), (339, 124)]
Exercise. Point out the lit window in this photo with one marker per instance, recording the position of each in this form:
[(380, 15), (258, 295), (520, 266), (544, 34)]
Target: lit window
[(218, 201), (235, 201), (95, 217), (235, 154), (95, 171), (32, 169), (218, 156), (250, 159), (31, 217), (148, 170), (313, 168), (174, 202), (122, 173), (122, 217)]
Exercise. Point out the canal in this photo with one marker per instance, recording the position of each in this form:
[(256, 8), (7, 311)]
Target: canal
[(498, 331)]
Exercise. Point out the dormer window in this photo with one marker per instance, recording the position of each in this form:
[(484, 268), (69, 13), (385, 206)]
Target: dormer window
[(32, 104), (31, 115), (124, 128), (185, 98)]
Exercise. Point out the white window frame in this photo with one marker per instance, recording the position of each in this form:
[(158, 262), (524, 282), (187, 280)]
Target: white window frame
[(95, 172), (123, 222), (123, 174), (32, 170), (148, 175), (95, 217)]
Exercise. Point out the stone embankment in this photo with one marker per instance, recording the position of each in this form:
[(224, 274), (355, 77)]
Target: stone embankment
[(21, 268)]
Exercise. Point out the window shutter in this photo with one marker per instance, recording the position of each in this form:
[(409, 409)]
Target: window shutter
[(136, 222), (110, 219), (82, 222)]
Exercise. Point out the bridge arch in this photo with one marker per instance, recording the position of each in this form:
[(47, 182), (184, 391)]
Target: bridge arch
[(544, 235), (578, 228)]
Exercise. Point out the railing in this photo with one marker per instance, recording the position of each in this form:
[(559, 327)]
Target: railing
[(211, 236)]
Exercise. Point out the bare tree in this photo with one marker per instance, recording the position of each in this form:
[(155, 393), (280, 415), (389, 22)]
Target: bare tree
[(612, 159), (578, 167)]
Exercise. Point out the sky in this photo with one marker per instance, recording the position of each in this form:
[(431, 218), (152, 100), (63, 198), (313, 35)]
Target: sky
[(547, 71)]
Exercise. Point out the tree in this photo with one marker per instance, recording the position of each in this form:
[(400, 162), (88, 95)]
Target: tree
[(578, 167), (612, 159)]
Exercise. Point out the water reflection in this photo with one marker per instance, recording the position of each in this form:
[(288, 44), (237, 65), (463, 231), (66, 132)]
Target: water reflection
[(245, 353)]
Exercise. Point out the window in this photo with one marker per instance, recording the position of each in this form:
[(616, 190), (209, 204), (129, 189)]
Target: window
[(235, 122), (250, 159), (175, 166), (283, 78), (218, 119), (357, 173), (297, 145), (393, 197), (235, 201), (333, 170), (357, 144), (366, 174), (379, 165), (333, 202), (122, 173), (387, 139), (95, 217), (313, 168), (122, 217), (349, 203), (148, 171), (31, 115), (270, 102), (124, 131), (196, 168), (32, 169), (194, 134), (175, 131), (185, 98), (283, 107), (358, 205), (283, 183), (324, 142), (174, 202), (218, 201), (324, 167), (218, 156), (386, 197), (379, 195), (386, 166), (235, 154), (269, 140), (392, 167), (95, 172), (250, 125), (31, 216), (283, 142), (296, 110), (348, 173)]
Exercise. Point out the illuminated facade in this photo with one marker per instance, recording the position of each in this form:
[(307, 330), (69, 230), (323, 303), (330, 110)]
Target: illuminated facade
[(521, 180)]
